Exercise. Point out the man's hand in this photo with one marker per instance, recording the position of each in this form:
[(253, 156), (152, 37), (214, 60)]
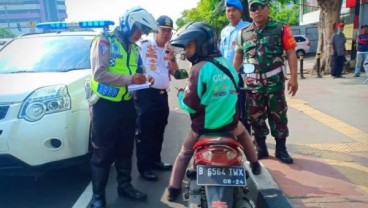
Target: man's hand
[(292, 86), (151, 79), (138, 79), (179, 90)]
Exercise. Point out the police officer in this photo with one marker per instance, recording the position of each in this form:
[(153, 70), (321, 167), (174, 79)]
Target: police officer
[(114, 62), (262, 44), (152, 104), (229, 36)]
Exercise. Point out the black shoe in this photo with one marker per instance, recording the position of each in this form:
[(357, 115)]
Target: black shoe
[(256, 168), (283, 156), (131, 193), (356, 75), (98, 201), (162, 166), (173, 193), (149, 175)]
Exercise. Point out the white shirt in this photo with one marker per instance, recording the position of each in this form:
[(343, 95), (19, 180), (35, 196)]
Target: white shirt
[(156, 63)]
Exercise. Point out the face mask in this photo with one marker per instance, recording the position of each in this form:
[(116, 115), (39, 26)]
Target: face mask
[(339, 30)]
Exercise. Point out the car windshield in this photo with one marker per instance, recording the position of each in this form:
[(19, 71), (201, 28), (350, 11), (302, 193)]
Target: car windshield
[(46, 54)]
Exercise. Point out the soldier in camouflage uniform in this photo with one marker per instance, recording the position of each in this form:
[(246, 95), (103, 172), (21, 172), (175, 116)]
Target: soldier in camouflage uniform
[(262, 44)]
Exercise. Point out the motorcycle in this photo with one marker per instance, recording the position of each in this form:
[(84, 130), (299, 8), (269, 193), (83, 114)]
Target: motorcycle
[(218, 177)]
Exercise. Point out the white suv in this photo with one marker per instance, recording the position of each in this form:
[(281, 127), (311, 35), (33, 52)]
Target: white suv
[(44, 113), (302, 45)]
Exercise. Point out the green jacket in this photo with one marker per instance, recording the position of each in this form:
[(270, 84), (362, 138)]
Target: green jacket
[(210, 97)]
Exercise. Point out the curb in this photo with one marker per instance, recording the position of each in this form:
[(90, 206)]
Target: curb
[(264, 192)]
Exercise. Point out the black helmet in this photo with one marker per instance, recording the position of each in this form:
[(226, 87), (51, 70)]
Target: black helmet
[(204, 36)]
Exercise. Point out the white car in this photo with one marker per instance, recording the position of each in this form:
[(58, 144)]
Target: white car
[(302, 45), (3, 41), (44, 113)]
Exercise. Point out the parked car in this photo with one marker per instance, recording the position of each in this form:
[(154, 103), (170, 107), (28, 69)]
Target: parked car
[(44, 113), (3, 41), (302, 45)]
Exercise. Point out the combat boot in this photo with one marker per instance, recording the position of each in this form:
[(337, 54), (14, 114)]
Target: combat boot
[(125, 188), (261, 147), (100, 176), (281, 152)]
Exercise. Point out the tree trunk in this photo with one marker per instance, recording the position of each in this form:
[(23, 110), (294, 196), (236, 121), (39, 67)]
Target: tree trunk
[(329, 16)]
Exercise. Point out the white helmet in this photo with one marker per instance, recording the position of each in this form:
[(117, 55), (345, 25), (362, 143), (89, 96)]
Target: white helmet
[(137, 17)]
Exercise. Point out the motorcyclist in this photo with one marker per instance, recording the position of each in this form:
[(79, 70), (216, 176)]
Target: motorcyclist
[(210, 98), (114, 62)]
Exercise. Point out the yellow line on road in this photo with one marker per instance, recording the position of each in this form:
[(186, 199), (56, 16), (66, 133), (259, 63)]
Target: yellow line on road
[(340, 126)]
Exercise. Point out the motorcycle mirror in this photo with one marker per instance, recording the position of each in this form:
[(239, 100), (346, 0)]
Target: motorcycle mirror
[(181, 74), (248, 68)]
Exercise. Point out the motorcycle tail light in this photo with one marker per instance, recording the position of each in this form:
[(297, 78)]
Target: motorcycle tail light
[(217, 152)]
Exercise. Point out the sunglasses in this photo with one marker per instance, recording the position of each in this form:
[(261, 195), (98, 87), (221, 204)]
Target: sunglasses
[(256, 7)]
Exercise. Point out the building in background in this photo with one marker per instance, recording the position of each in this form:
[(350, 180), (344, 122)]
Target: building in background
[(21, 16), (309, 18)]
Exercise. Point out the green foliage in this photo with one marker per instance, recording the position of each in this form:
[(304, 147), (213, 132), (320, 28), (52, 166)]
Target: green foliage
[(285, 13), (5, 33), (213, 12)]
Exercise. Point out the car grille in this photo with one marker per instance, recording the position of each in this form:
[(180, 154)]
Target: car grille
[(3, 111)]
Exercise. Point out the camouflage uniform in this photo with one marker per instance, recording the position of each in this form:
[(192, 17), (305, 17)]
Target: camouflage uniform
[(266, 99)]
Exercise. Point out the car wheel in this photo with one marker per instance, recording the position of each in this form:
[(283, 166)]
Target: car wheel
[(300, 52)]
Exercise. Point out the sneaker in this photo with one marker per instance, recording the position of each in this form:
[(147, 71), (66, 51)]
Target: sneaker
[(256, 168), (356, 75), (173, 193)]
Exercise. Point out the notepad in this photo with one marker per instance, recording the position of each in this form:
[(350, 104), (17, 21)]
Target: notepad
[(135, 87)]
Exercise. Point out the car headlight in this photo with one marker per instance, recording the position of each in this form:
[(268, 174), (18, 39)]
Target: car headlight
[(46, 100)]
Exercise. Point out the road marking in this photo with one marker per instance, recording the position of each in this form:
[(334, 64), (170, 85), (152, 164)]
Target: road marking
[(340, 126), (84, 198)]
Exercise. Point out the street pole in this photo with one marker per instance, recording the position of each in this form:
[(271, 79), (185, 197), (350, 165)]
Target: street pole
[(356, 30), (6, 15)]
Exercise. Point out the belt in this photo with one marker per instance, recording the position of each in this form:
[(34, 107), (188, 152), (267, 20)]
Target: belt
[(265, 75), (160, 91)]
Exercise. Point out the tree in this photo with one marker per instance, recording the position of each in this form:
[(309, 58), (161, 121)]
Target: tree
[(5, 33), (288, 14), (213, 12), (329, 16)]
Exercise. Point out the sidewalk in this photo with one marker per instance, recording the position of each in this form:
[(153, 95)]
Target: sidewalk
[(328, 121)]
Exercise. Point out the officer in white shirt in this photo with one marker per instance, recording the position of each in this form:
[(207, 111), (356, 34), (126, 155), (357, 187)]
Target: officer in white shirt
[(152, 104)]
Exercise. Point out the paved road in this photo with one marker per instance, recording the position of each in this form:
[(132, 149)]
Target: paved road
[(329, 142)]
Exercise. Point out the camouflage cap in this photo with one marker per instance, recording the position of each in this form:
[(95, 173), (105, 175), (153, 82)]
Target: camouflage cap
[(263, 2)]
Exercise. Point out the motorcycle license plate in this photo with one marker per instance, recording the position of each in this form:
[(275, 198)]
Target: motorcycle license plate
[(221, 176)]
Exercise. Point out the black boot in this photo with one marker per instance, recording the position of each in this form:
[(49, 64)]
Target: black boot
[(99, 181), (261, 147), (281, 152), (125, 188)]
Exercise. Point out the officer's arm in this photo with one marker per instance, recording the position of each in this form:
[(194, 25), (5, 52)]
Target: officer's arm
[(238, 60)]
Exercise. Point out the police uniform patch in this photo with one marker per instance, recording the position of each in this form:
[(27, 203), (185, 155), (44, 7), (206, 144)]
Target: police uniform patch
[(104, 46)]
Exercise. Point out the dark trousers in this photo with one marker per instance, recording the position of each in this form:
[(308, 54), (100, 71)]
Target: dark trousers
[(242, 105), (153, 112), (337, 65), (113, 127)]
